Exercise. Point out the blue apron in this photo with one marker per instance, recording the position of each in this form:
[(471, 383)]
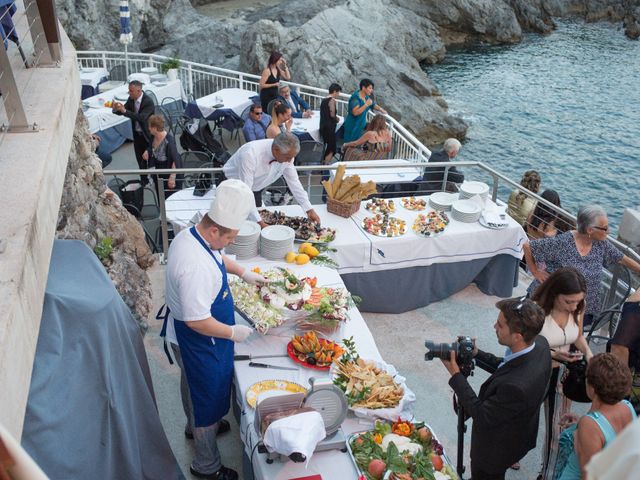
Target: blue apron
[(208, 365)]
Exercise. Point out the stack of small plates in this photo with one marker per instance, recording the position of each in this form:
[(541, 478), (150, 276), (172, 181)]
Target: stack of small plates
[(442, 201), (158, 77), (469, 189), (276, 241), (247, 241), (465, 211), (149, 70)]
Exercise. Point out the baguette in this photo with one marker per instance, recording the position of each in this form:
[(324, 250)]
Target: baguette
[(328, 187), (346, 185), (337, 181)]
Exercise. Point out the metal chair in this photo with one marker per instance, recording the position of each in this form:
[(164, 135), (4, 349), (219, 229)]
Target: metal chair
[(192, 159), (311, 153), (152, 96), (118, 72), (605, 324), (172, 105), (150, 210)]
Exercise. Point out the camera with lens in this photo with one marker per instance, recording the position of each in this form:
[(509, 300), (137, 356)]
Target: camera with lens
[(463, 347)]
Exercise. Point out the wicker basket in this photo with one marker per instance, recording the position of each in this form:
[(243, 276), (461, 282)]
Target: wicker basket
[(342, 209)]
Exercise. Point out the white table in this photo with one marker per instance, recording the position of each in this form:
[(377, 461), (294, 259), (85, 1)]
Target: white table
[(183, 205), (330, 464), (236, 99), (90, 78), (310, 126), (100, 117), (404, 174)]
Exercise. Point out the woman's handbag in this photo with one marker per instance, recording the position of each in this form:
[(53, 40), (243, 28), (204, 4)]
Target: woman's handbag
[(574, 383), (203, 184)]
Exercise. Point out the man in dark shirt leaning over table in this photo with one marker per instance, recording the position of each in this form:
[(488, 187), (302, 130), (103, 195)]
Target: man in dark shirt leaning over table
[(255, 126), (506, 411)]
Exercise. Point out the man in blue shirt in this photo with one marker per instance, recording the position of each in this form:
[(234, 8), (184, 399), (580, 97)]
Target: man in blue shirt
[(255, 126), (506, 411)]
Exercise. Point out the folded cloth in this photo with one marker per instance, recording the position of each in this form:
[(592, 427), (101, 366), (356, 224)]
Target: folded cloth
[(494, 219), (298, 433)]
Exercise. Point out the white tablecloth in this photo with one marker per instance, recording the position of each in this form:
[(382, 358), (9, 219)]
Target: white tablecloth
[(310, 125), (93, 76), (382, 175), (183, 205), (236, 99), (101, 118), (330, 464)]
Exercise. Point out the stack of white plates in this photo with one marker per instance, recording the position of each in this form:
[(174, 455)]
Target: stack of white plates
[(469, 189), (465, 211), (149, 70), (442, 201), (276, 241), (247, 241), (158, 77)]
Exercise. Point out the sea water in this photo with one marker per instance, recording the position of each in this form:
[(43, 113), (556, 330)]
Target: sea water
[(566, 104)]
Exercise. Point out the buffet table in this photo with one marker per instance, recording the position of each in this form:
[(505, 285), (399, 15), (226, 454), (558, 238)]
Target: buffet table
[(332, 464)]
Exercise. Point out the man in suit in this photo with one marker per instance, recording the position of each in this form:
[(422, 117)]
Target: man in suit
[(432, 179), (299, 108), (138, 108), (506, 412)]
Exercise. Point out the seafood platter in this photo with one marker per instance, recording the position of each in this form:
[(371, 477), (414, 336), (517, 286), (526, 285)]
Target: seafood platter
[(305, 229)]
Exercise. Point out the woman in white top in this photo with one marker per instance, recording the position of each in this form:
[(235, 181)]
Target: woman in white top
[(562, 297)]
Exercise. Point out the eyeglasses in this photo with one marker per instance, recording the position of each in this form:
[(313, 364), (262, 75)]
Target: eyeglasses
[(604, 229), (257, 113)]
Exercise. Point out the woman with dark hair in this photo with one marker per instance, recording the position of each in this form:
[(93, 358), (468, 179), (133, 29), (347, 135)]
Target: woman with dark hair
[(281, 120), (561, 297), (163, 153), (374, 144), (608, 382), (328, 121), (541, 222), (276, 69), (359, 104)]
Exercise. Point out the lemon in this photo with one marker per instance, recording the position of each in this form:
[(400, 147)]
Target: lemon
[(312, 251), (290, 257), (302, 258), (304, 247)]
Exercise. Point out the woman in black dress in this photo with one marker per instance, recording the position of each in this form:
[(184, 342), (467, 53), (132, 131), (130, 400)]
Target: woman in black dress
[(328, 122), (277, 69)]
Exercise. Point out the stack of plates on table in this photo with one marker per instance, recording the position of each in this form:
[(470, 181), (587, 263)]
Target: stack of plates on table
[(247, 241), (159, 77), (442, 201), (465, 211), (469, 189), (121, 97), (149, 71), (88, 70), (276, 241)]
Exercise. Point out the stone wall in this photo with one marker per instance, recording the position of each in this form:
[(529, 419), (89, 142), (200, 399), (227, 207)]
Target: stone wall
[(89, 211)]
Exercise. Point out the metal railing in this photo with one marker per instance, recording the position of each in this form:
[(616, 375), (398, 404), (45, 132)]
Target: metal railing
[(200, 80)]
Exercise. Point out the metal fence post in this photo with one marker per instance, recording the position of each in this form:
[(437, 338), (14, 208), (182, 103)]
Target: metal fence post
[(163, 219), (16, 115), (190, 78), (36, 29)]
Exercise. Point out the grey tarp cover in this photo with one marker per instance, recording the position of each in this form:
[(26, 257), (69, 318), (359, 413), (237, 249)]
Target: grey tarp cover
[(91, 412)]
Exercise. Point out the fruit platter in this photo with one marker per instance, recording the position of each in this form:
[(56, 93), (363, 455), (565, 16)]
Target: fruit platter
[(290, 298), (373, 389), (401, 450), (430, 224), (382, 225), (413, 203), (312, 352), (306, 230), (380, 205)]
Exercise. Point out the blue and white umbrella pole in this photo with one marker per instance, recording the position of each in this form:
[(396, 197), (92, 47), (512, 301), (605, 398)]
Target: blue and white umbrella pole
[(126, 37)]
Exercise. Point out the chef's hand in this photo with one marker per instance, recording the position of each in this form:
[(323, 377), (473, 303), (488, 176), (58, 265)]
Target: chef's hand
[(253, 278), (239, 333), (451, 365), (313, 216)]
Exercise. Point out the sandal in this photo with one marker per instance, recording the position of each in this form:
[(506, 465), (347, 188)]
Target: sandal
[(515, 466)]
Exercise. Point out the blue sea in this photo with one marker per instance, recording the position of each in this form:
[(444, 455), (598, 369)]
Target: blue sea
[(566, 104)]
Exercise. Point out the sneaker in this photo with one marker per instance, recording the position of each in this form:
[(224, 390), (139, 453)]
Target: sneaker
[(223, 474)]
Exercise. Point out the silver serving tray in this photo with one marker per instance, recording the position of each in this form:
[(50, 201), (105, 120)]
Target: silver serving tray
[(354, 435)]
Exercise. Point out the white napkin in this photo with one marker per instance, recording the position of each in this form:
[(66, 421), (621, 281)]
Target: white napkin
[(297, 433), (494, 215)]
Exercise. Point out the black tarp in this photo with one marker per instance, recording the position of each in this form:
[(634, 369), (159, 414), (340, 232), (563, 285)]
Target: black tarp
[(91, 412)]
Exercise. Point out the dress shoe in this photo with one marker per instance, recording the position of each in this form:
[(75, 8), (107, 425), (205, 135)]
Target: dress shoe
[(224, 427), (223, 474)]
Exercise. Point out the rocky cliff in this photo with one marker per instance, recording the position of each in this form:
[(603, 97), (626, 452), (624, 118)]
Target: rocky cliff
[(339, 40), (90, 212)]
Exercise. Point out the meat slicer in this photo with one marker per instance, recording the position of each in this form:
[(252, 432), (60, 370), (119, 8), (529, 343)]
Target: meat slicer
[(324, 397)]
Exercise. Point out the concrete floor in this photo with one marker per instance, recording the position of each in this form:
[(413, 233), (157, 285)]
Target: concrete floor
[(400, 339)]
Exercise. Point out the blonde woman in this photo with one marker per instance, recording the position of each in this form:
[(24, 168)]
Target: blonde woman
[(520, 205)]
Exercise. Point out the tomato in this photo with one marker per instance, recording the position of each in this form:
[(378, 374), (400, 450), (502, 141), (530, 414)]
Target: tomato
[(437, 462)]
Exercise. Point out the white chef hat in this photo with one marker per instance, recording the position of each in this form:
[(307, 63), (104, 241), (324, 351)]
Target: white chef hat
[(232, 204)]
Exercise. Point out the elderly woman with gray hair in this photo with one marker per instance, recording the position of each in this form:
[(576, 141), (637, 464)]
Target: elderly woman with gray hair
[(585, 249)]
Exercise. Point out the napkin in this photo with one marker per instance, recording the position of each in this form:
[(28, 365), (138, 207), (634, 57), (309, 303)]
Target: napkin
[(297, 433), (494, 216)]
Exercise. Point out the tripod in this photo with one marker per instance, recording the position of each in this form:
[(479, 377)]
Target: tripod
[(466, 370)]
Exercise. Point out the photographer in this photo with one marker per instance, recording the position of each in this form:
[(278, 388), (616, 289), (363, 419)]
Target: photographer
[(506, 412)]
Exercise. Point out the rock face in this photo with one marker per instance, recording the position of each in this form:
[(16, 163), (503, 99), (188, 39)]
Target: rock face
[(90, 212)]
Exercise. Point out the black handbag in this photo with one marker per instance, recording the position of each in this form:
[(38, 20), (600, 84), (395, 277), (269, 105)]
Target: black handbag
[(574, 382), (203, 184)]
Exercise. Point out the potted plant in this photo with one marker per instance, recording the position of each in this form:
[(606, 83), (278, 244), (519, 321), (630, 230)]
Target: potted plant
[(170, 67)]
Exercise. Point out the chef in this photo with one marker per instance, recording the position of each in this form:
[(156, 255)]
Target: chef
[(262, 162), (201, 326)]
